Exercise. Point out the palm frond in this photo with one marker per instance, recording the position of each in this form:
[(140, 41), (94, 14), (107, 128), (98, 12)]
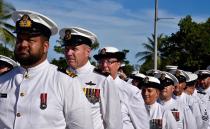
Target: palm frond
[(7, 37)]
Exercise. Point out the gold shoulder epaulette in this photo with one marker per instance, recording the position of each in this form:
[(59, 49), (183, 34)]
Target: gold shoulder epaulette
[(70, 73)]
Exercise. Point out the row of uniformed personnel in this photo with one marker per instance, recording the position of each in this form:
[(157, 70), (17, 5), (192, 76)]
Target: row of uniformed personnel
[(185, 94), (37, 95)]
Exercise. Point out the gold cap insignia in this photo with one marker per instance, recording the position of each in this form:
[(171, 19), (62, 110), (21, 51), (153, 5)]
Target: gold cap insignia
[(67, 35), (25, 21), (163, 76)]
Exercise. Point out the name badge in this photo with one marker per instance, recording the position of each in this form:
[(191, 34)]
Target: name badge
[(3, 95)]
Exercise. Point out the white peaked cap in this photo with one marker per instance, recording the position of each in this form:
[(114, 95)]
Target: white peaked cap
[(140, 75), (171, 67), (167, 75), (192, 76), (152, 72), (152, 79), (8, 60), (36, 17), (79, 31)]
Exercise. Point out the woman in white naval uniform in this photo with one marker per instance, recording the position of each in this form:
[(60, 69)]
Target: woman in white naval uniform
[(36, 95), (181, 113), (132, 104), (160, 118), (99, 89)]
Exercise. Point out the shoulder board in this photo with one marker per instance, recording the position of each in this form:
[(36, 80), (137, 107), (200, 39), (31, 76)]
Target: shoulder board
[(98, 71), (67, 72)]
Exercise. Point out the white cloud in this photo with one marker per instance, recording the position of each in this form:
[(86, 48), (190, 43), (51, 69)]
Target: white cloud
[(112, 22)]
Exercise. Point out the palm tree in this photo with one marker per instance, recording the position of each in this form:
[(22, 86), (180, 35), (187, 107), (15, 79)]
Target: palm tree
[(6, 35), (148, 54)]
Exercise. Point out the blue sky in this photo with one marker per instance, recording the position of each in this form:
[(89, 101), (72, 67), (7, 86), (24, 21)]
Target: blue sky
[(124, 24)]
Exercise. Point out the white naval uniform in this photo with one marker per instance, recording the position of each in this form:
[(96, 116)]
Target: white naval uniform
[(105, 110), (20, 98), (206, 100), (203, 110), (183, 114), (193, 105), (132, 106), (160, 116)]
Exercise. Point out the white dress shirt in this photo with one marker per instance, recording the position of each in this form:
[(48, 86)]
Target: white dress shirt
[(42, 98), (182, 114), (193, 105), (160, 118), (206, 101)]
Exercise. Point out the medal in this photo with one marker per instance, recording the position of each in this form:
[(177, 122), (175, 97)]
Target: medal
[(175, 113), (93, 95), (43, 101), (156, 124)]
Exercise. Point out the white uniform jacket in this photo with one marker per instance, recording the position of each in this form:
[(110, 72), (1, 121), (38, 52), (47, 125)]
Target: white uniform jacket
[(132, 106), (206, 100), (160, 118), (102, 96), (194, 106), (181, 113), (42, 98)]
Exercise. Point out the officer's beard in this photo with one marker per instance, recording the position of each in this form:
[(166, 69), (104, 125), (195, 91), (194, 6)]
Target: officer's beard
[(29, 60)]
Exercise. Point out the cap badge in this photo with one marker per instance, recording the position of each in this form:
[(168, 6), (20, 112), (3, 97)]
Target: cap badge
[(67, 35), (146, 80), (25, 21), (103, 51)]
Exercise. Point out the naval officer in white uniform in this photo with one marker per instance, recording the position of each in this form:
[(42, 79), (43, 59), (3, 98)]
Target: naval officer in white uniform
[(132, 104), (182, 113), (99, 89), (184, 98), (36, 95), (204, 85)]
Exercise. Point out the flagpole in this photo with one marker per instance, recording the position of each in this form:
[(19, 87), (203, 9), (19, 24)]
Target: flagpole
[(155, 34)]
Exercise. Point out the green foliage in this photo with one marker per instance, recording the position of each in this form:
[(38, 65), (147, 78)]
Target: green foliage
[(6, 29), (188, 48), (128, 69), (61, 62), (148, 54), (6, 51)]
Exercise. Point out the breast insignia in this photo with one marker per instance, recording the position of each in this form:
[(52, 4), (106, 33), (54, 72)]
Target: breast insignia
[(93, 95)]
